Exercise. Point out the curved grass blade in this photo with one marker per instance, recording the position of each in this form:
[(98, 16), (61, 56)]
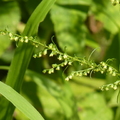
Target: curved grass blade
[(19, 102)]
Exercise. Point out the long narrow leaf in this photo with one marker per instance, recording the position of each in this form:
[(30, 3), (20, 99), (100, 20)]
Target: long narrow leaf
[(21, 103), (22, 56)]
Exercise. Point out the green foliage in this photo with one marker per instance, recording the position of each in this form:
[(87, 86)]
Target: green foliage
[(73, 46), (19, 102)]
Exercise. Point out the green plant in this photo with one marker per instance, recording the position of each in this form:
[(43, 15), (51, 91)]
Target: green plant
[(22, 60), (90, 66), (77, 64)]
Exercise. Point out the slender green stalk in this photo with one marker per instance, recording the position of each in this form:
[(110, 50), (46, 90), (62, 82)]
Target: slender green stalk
[(22, 57)]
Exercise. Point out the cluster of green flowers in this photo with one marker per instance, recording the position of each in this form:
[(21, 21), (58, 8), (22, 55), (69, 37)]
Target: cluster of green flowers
[(16, 37), (102, 67), (66, 60), (19, 38), (63, 57), (114, 86)]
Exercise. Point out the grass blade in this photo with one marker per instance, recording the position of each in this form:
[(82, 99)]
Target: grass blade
[(20, 102)]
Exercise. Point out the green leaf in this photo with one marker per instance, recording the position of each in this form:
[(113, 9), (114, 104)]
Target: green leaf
[(72, 2), (68, 22), (108, 14), (21, 103), (23, 55), (62, 94), (83, 85), (93, 107), (9, 15), (9, 18)]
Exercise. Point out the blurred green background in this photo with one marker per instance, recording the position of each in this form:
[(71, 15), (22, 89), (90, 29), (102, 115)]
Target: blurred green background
[(77, 27)]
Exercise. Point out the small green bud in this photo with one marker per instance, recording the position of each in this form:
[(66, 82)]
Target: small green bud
[(65, 56), (40, 54), (102, 72), (12, 38), (16, 38), (54, 65), (51, 46), (69, 63), (115, 87), (58, 68), (102, 88), (117, 83), (60, 57), (26, 37), (70, 77), (10, 34), (35, 55), (44, 71), (85, 73), (79, 74), (103, 64), (51, 54), (62, 64), (21, 39), (65, 63), (45, 52), (2, 33), (30, 38), (26, 40), (111, 85), (105, 67), (51, 71), (106, 88), (110, 69), (114, 73), (67, 79)]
